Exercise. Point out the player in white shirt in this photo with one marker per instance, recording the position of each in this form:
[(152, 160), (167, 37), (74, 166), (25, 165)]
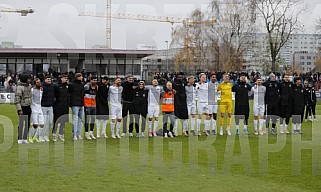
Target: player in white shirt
[(190, 91), (115, 92), (258, 105), (154, 95), (212, 102), (202, 104), (38, 121)]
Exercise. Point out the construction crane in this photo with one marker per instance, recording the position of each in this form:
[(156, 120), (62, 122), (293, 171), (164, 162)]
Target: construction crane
[(139, 17), (23, 12)]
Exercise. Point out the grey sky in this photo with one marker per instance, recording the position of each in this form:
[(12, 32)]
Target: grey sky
[(56, 23)]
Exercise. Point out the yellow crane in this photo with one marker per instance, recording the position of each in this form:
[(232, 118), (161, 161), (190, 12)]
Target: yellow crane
[(23, 12)]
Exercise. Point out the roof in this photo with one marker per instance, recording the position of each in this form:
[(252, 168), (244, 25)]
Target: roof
[(40, 52)]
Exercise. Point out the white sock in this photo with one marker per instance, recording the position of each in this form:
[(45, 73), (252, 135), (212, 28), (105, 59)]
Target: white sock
[(237, 127), (98, 126), (32, 132), (155, 125), (36, 134), (199, 124), (104, 126), (40, 131), (255, 124), (185, 125), (192, 124), (281, 126), (261, 124), (286, 126), (245, 127), (118, 127), (112, 128), (175, 125), (207, 125), (294, 126), (150, 126), (299, 127), (214, 124)]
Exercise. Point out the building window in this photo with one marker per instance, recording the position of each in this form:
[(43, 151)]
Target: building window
[(301, 63), (308, 57), (302, 57), (308, 63)]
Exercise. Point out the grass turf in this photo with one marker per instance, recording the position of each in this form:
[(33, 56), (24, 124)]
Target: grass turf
[(216, 163)]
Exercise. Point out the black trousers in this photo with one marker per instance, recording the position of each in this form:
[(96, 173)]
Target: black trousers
[(171, 117), (136, 124), (61, 116), (272, 111), (24, 123), (90, 117), (239, 117), (310, 109), (298, 113), (285, 113), (127, 107)]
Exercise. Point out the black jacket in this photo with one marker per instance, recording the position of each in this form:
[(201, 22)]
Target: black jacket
[(128, 92), (180, 104), (48, 95), (102, 99), (140, 101), (241, 93), (76, 91), (272, 95), (61, 105), (286, 93), (298, 95), (242, 106), (310, 96)]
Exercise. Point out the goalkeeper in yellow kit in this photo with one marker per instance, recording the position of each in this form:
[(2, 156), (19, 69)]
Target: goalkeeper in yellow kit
[(226, 102)]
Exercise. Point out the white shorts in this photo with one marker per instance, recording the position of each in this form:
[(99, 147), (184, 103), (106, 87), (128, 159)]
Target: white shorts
[(191, 108), (116, 112), (258, 110), (153, 111), (202, 108), (37, 119), (212, 109)]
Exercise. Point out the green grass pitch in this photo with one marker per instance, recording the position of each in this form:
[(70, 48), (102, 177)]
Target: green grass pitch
[(215, 163)]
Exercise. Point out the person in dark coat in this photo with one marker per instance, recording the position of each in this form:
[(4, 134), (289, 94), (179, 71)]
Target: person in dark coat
[(242, 108), (140, 108), (102, 107), (180, 104), (310, 101), (47, 102), (298, 105), (61, 107), (286, 102), (272, 97), (128, 103), (76, 91)]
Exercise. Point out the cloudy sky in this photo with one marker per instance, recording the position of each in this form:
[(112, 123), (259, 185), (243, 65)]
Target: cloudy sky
[(56, 24)]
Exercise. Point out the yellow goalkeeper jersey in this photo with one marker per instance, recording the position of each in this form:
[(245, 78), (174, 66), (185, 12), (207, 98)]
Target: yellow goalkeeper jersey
[(226, 91)]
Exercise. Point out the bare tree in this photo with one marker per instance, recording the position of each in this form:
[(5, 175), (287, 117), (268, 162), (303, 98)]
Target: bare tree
[(280, 18), (233, 31), (191, 36), (317, 63), (220, 45)]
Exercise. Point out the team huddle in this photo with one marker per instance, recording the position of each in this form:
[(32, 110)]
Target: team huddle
[(47, 104)]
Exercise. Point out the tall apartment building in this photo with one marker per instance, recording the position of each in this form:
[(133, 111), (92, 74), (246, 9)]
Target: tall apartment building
[(259, 53)]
